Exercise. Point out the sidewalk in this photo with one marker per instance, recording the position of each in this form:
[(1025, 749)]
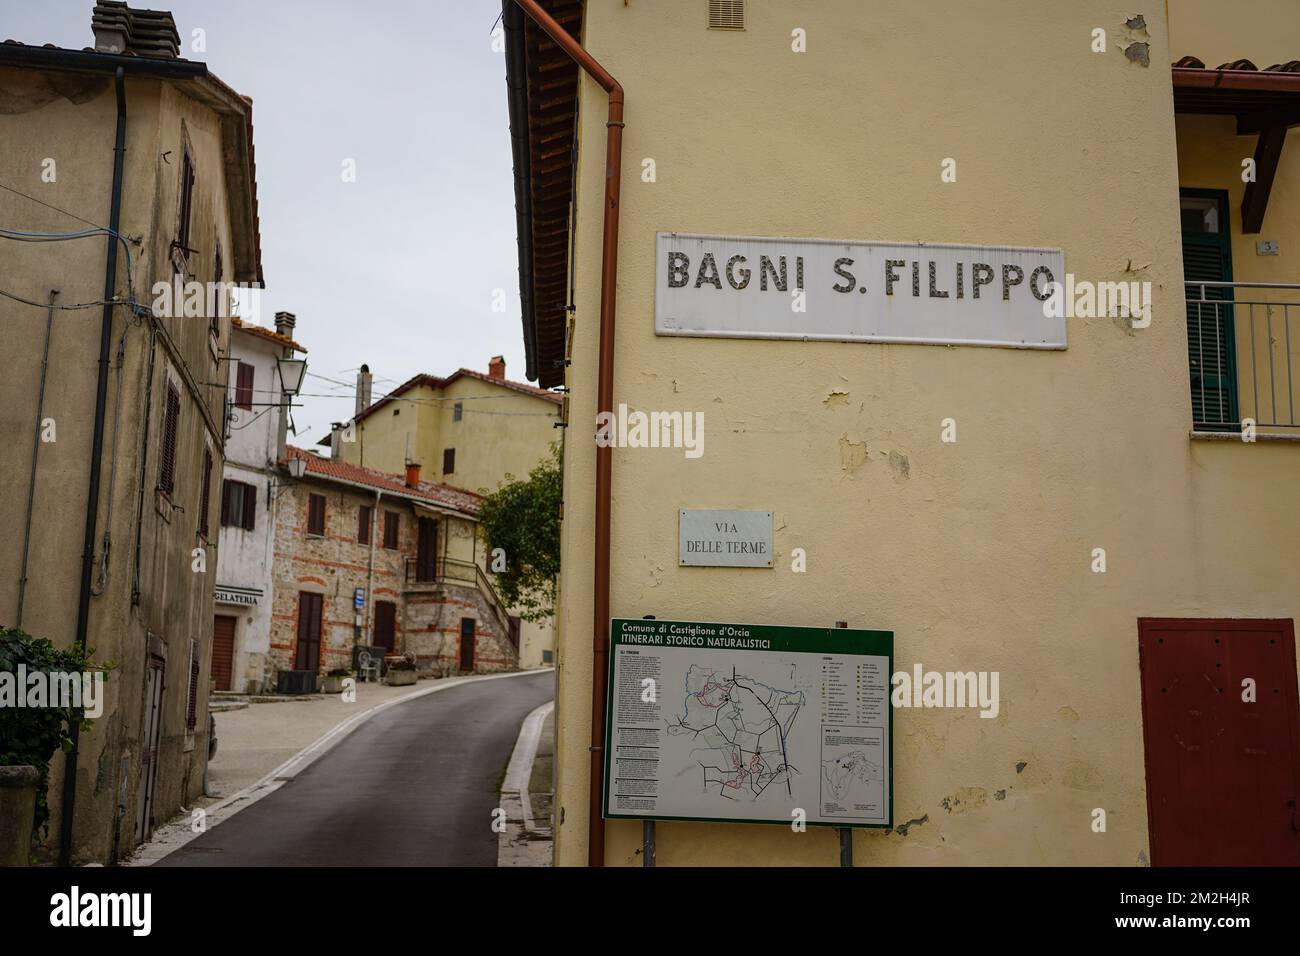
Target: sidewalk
[(527, 794)]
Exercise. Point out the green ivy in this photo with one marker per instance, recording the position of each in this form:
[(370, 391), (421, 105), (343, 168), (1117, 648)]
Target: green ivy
[(31, 735), (523, 519)]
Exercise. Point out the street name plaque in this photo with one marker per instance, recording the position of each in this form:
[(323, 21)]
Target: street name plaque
[(724, 539)]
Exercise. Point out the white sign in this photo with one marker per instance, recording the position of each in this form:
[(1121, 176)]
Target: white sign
[(725, 539), (769, 288), (248, 597)]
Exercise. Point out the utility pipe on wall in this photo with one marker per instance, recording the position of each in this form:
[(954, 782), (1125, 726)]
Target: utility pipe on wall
[(604, 403), (36, 449)]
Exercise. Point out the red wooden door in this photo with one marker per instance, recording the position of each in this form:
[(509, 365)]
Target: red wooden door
[(309, 624), (386, 625), (223, 650), (1223, 773)]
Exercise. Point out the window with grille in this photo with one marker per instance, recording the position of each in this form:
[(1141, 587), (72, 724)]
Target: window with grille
[(238, 505), (457, 412), (171, 421), (726, 14), (244, 376), (390, 530), (316, 514)]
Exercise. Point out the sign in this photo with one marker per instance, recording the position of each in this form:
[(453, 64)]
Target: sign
[(768, 288), (359, 598), (724, 539), (246, 597), (749, 723)]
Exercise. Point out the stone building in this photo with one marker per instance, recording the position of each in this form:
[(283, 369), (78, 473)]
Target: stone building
[(469, 429), (372, 558), (135, 168)]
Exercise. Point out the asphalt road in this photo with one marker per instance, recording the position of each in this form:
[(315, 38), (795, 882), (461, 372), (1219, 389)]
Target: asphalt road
[(414, 785)]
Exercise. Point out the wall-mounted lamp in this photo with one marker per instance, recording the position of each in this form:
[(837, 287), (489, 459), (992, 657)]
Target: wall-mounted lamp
[(291, 374), (297, 467)]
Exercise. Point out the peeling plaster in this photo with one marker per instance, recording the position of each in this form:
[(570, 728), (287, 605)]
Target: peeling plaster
[(1020, 767), (836, 399), (999, 794), (1081, 776), (1139, 53), (1068, 713), (902, 828), (965, 798)]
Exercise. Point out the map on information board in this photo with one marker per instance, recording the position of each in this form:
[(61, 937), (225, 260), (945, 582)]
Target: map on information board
[(748, 723)]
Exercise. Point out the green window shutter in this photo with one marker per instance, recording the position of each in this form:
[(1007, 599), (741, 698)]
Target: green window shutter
[(1211, 342)]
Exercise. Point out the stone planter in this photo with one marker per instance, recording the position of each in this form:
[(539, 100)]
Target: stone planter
[(17, 810), (400, 678), (333, 685)]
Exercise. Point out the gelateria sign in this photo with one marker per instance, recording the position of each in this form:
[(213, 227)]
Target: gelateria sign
[(769, 288)]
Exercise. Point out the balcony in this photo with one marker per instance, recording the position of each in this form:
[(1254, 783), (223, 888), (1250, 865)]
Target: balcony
[(1242, 356), (448, 571)]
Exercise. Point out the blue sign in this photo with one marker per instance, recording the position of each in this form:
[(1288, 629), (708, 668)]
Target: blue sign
[(359, 598)]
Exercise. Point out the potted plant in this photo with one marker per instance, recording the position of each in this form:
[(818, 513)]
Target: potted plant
[(334, 680), (401, 671)]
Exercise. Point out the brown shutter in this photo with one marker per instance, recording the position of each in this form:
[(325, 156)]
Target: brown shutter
[(315, 514), (363, 524), (167, 476), (244, 386), (227, 490), (207, 492), (390, 530), (250, 508)]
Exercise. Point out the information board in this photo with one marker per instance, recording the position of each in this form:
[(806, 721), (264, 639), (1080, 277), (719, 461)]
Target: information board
[(749, 723)]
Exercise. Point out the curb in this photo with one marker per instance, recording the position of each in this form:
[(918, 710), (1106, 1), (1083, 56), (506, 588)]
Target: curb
[(518, 841), (175, 835)]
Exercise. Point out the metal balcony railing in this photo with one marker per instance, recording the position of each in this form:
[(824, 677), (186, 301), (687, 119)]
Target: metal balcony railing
[(465, 573), (1242, 354)]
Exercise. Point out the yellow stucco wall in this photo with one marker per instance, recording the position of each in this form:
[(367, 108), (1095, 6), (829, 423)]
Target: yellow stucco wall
[(977, 555)]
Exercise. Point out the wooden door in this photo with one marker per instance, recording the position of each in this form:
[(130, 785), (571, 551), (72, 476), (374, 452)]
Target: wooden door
[(1223, 773), (467, 643), (309, 629), (426, 551), (149, 751), (386, 625), (223, 650)]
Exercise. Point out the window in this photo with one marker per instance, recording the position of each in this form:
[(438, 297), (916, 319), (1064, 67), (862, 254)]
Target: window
[(187, 205), (390, 530), (457, 412), (206, 498), (192, 705), (171, 420), (316, 514), (448, 460), (363, 524), (244, 386), (238, 505)]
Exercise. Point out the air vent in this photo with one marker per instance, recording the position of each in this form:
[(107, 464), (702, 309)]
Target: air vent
[(726, 14)]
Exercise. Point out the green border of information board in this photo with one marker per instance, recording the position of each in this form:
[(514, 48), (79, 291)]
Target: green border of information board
[(802, 640)]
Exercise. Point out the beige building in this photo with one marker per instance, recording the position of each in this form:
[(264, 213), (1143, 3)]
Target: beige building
[(1100, 508), (469, 430), (137, 168)]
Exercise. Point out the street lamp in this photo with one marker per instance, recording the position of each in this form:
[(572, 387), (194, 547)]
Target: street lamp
[(291, 374), (297, 467)]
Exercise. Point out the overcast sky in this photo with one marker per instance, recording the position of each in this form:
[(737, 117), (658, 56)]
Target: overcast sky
[(397, 269)]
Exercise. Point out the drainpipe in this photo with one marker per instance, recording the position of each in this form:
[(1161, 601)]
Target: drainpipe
[(96, 452), (604, 403), (370, 570), (36, 449)]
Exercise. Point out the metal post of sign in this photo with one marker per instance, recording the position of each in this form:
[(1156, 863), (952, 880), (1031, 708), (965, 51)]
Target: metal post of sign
[(846, 833), (647, 843)]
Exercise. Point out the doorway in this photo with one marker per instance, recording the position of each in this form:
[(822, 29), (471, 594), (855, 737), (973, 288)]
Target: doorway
[(307, 657), (1219, 721), (466, 643), (223, 651), (385, 625), (153, 702), (426, 551), (1211, 339)]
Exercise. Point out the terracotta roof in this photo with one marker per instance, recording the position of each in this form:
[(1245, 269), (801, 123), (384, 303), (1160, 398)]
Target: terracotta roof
[(268, 334), (433, 381), (444, 496)]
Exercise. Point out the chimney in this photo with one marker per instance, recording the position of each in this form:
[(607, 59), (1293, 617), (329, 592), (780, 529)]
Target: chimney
[(284, 324), (497, 367), (122, 30), (363, 389), (336, 441), (412, 474)]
